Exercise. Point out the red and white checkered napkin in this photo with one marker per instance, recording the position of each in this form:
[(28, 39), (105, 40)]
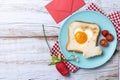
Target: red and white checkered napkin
[(114, 17)]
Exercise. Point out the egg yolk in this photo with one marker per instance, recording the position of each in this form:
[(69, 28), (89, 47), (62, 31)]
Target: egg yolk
[(80, 37)]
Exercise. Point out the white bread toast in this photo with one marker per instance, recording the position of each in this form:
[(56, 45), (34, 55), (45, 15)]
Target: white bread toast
[(89, 48)]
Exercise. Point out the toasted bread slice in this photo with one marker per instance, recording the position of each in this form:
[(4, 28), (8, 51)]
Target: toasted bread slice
[(88, 48)]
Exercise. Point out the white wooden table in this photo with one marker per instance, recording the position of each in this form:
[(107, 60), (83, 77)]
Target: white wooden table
[(24, 54)]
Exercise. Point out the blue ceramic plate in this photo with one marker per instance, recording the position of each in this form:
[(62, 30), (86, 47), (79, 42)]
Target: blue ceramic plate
[(104, 23)]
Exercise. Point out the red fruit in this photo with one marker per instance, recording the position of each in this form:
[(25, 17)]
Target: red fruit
[(103, 42), (61, 67), (105, 32), (109, 37)]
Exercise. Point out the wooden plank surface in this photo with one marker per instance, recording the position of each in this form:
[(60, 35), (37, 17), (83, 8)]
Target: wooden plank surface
[(31, 62), (27, 30), (24, 54)]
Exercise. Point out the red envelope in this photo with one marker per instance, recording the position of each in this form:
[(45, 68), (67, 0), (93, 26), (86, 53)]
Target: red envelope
[(60, 9)]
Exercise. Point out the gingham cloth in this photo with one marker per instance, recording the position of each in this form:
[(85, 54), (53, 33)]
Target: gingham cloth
[(115, 19)]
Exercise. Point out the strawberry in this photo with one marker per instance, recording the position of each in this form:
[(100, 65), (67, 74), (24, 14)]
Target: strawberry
[(61, 67)]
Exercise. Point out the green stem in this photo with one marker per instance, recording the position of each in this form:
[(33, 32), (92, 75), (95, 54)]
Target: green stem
[(46, 38)]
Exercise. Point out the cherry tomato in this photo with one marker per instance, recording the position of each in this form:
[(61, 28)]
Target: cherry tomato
[(103, 42), (109, 37), (105, 32)]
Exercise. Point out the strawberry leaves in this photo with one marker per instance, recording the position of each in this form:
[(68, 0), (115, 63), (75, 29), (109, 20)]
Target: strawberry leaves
[(55, 59)]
